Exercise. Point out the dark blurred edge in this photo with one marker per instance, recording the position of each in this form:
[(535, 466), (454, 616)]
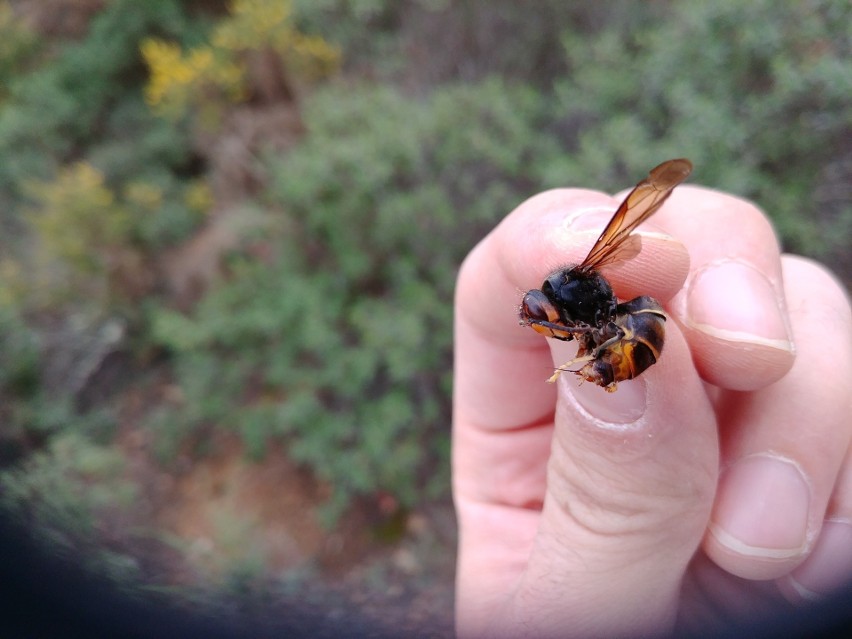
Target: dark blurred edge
[(831, 617), (43, 596), (48, 596)]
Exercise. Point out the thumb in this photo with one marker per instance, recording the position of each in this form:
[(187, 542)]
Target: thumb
[(630, 484)]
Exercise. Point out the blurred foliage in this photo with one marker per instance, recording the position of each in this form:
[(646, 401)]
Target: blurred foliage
[(19, 373), (92, 184), (78, 199), (72, 478), (79, 228), (756, 94), (164, 212), (32, 411), (258, 24), (29, 415), (180, 82), (420, 44), (90, 180), (82, 102), (342, 345), (18, 47), (62, 492), (88, 240)]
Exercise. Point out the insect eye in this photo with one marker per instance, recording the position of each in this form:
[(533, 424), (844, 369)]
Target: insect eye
[(536, 306)]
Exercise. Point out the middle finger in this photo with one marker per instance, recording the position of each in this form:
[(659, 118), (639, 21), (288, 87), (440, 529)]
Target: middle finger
[(732, 307)]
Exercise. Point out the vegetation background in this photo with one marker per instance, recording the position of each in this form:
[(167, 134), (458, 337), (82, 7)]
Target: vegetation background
[(229, 233)]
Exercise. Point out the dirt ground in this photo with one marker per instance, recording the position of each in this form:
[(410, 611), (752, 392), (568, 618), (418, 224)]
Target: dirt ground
[(248, 535)]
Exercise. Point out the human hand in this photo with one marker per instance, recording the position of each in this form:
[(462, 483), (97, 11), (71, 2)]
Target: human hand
[(715, 485)]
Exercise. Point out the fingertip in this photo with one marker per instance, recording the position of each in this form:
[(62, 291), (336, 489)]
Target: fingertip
[(660, 269), (558, 227), (539, 235), (737, 324), (734, 363), (613, 409), (664, 408), (759, 525), (828, 567)]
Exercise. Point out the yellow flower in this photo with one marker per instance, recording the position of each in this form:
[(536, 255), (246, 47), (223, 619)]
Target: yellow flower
[(181, 80)]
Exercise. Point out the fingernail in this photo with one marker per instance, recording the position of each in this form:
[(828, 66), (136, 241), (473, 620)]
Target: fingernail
[(829, 566), (595, 218), (590, 218), (734, 301), (624, 406), (762, 508)]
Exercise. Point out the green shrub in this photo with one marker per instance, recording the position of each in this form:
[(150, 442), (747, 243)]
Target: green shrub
[(19, 47), (19, 354), (85, 102), (756, 94), (422, 44), (343, 345), (206, 78), (61, 492), (28, 416)]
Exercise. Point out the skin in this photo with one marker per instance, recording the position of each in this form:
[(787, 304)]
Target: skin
[(718, 484)]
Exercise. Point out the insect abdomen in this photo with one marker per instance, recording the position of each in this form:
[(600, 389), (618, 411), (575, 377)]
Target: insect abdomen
[(643, 322), (644, 319)]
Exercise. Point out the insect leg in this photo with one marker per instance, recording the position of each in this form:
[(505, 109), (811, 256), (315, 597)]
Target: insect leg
[(564, 368)]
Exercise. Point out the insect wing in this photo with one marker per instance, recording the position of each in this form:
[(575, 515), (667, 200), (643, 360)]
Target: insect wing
[(616, 244)]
